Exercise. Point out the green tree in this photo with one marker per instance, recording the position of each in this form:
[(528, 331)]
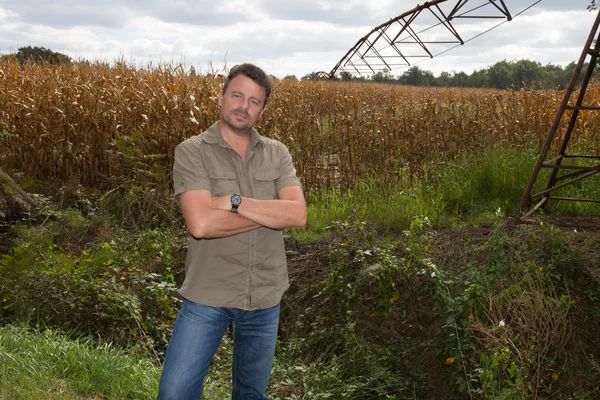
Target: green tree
[(346, 76), (526, 72), (555, 76), (500, 75), (383, 77), (427, 78), (444, 79), (416, 76), (460, 79), (313, 76), (41, 54), (479, 78)]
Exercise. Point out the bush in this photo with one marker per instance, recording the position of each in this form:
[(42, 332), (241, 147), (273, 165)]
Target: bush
[(123, 290), (509, 325)]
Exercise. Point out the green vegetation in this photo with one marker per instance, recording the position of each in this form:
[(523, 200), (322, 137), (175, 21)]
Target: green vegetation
[(409, 281), (479, 189), (39, 54), (502, 75), (506, 322), (119, 288), (36, 364), (400, 292)]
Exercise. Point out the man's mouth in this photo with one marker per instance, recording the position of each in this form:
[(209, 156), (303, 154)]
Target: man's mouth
[(241, 114)]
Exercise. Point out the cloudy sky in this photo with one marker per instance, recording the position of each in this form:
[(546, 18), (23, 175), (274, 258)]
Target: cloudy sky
[(284, 37)]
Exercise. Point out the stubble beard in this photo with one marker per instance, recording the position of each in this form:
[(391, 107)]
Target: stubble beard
[(241, 128)]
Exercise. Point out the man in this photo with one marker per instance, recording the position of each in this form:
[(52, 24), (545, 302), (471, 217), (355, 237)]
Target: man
[(237, 190)]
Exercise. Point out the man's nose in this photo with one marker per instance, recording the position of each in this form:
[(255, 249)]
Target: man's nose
[(244, 103)]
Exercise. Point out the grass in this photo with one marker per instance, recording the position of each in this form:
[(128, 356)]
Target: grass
[(476, 189), (38, 364)]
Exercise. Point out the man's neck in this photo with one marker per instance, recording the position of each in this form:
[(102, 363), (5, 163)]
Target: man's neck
[(237, 139)]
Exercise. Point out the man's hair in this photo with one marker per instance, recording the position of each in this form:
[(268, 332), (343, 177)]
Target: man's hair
[(253, 72)]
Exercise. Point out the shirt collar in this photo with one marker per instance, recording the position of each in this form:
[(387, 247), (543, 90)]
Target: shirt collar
[(213, 135)]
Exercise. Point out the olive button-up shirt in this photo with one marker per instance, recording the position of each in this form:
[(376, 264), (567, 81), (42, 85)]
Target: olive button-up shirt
[(248, 270)]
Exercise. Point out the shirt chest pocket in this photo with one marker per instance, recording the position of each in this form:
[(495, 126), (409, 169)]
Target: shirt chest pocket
[(223, 182), (264, 184)]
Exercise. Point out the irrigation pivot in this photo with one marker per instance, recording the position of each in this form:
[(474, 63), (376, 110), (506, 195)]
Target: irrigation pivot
[(426, 31)]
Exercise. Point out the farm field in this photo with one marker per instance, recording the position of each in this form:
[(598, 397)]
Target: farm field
[(409, 281), (66, 121)]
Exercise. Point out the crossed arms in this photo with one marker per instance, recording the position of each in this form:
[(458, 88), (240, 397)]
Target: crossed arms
[(211, 217)]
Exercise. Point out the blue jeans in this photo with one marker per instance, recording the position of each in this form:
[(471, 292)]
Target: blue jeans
[(197, 334)]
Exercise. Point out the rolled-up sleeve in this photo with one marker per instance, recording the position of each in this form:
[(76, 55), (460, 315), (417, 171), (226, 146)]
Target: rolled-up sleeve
[(189, 170), (287, 170)]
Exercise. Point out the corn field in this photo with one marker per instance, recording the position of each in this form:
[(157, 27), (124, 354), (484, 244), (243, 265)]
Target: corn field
[(66, 122)]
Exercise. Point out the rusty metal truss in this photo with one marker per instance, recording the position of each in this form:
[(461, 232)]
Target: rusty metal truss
[(423, 32), (566, 168)]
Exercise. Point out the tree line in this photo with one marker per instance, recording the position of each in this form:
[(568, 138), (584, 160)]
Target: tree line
[(38, 54), (502, 75)]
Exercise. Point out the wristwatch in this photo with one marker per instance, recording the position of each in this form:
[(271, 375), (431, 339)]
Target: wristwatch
[(236, 200)]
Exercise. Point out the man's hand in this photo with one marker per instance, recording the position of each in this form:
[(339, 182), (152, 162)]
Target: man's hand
[(205, 216), (286, 212)]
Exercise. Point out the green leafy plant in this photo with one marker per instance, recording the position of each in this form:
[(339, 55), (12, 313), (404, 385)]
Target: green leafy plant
[(139, 193), (366, 270), (123, 290)]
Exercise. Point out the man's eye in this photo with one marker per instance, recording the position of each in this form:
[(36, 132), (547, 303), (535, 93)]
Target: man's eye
[(255, 102)]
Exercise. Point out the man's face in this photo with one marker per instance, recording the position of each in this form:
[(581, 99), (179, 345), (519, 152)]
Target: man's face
[(242, 104)]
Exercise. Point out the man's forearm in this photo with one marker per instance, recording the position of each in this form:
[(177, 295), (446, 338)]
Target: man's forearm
[(203, 220), (225, 223), (274, 214)]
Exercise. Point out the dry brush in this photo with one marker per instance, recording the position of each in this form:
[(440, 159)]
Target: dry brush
[(62, 122)]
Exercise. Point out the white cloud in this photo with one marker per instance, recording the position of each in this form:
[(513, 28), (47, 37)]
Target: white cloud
[(284, 37)]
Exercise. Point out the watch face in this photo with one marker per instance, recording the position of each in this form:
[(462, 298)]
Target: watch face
[(236, 200)]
